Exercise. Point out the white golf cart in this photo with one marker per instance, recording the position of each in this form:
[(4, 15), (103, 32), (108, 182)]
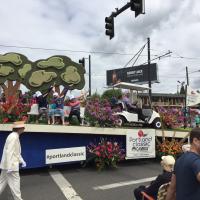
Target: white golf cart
[(150, 117)]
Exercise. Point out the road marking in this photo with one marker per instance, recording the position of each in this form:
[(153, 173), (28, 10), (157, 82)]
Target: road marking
[(64, 186), (121, 184)]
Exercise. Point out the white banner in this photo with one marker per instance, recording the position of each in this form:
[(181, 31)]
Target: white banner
[(193, 97), (65, 155), (140, 143)]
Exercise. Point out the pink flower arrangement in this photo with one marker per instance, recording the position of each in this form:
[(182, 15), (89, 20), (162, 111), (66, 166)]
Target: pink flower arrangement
[(175, 117), (171, 117), (99, 113), (106, 153)]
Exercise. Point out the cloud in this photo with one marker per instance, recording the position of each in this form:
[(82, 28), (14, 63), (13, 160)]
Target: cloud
[(79, 26)]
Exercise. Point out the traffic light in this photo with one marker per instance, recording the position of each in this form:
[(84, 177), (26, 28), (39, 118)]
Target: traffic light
[(109, 26), (82, 61), (137, 6)]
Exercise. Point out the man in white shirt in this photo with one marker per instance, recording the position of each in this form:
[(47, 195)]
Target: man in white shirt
[(11, 159)]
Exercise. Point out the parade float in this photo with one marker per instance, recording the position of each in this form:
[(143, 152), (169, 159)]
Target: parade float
[(43, 144)]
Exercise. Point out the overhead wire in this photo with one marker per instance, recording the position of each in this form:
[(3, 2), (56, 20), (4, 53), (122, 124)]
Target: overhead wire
[(135, 55), (63, 50), (70, 50), (139, 55), (159, 57)]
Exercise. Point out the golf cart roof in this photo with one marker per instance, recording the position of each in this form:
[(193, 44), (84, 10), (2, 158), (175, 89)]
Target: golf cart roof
[(131, 86)]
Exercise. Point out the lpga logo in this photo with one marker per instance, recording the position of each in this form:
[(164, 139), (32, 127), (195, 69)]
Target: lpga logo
[(140, 143)]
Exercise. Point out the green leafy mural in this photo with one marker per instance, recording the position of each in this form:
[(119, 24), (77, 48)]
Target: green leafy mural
[(52, 62), (41, 76), (71, 75), (57, 70), (11, 57), (24, 70), (5, 70)]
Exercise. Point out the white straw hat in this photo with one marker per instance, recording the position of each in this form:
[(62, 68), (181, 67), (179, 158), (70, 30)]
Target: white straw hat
[(19, 124)]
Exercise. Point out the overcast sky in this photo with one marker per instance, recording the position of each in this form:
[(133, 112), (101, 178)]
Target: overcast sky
[(78, 27)]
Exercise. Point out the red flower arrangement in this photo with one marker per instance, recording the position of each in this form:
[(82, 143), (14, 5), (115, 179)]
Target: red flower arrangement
[(10, 111), (107, 153)]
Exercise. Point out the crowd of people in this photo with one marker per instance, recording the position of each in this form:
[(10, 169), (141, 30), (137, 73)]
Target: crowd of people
[(51, 104), (55, 106)]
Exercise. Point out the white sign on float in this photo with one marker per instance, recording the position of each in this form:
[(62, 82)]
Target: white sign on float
[(65, 155), (140, 144)]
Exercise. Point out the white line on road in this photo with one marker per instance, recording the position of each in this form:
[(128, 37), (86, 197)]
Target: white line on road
[(121, 184), (65, 186)]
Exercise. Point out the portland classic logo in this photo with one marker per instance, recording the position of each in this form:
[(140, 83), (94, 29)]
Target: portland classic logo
[(141, 134), (141, 142)]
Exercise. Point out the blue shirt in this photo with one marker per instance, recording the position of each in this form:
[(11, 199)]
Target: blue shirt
[(186, 169)]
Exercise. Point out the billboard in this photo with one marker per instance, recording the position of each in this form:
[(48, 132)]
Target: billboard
[(136, 74)]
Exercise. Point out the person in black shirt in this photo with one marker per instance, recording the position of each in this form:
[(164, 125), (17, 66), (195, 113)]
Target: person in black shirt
[(41, 100), (185, 182), (167, 163), (74, 103)]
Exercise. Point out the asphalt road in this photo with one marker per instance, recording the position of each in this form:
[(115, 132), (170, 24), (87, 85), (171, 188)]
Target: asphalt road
[(88, 183)]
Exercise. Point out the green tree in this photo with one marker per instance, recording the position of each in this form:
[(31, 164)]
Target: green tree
[(108, 94)]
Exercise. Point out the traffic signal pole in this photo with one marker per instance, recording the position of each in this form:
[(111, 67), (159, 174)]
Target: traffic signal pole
[(135, 5), (119, 11), (82, 61)]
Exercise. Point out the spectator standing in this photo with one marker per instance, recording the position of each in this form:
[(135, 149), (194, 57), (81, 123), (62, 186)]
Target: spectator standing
[(167, 164), (11, 159), (185, 182)]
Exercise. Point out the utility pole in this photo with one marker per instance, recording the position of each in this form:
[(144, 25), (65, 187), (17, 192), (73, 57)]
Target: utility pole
[(149, 70), (90, 88), (187, 77), (185, 114)]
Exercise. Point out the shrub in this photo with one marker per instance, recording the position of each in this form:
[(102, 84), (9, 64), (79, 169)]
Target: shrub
[(108, 94)]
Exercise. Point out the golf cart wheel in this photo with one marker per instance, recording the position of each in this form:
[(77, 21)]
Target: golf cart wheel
[(157, 123), (121, 120)]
